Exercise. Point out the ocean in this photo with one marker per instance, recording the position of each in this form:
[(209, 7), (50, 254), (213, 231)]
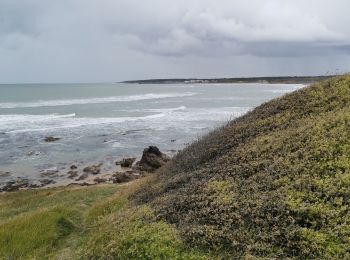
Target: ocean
[(108, 121)]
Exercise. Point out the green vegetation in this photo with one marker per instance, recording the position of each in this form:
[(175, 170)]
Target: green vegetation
[(85, 223), (134, 233), (44, 222), (274, 183)]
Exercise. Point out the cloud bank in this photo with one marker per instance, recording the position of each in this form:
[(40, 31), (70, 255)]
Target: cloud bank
[(107, 40)]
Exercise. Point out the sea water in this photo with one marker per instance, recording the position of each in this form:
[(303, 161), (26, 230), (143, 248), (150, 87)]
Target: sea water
[(108, 121)]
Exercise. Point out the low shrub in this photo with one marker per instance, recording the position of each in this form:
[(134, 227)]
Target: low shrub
[(273, 183)]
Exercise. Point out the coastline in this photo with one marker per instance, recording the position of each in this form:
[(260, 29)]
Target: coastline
[(264, 80), (72, 134), (249, 181), (88, 174)]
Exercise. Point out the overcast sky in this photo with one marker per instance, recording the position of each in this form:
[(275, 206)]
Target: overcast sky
[(114, 40)]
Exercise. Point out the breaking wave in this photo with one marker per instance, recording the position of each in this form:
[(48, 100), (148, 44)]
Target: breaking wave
[(68, 102)]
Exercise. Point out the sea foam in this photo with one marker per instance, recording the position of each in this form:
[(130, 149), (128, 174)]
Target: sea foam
[(12, 124), (101, 100)]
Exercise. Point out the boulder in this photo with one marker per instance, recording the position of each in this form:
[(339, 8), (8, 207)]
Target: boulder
[(126, 162), (51, 172), (49, 139), (72, 174), (121, 177), (84, 184), (25, 184), (34, 185), (99, 180), (73, 167), (15, 185), (82, 177), (45, 182), (152, 159), (93, 169)]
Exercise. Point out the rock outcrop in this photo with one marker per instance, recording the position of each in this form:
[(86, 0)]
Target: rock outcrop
[(93, 169), (84, 176), (121, 177), (21, 183), (51, 172), (49, 139), (126, 162), (72, 174), (152, 159)]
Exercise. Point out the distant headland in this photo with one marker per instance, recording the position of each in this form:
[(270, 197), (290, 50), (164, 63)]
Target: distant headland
[(271, 80)]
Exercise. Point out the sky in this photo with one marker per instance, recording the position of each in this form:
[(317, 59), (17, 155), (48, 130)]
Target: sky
[(115, 40)]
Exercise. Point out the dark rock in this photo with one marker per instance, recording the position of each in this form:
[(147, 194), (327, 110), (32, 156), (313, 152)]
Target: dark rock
[(121, 177), (173, 140), (9, 186), (93, 169), (79, 184), (99, 180), (72, 174), (34, 185), (15, 185), (82, 177), (135, 131), (84, 184), (49, 139), (152, 159), (73, 167), (126, 162), (25, 184), (45, 182), (52, 172), (153, 150)]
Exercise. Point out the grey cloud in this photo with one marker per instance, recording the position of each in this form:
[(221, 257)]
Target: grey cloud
[(166, 30), (274, 26), (89, 40)]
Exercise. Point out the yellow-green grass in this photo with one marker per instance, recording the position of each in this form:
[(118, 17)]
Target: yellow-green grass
[(98, 222), (39, 222)]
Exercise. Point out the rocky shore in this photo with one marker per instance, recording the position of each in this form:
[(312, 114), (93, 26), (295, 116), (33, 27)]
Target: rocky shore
[(127, 169)]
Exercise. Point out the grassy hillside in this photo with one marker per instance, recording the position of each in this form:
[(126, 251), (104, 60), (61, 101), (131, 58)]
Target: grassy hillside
[(98, 222), (46, 222), (274, 183)]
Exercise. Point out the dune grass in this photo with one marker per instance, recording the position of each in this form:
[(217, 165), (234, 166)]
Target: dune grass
[(36, 223), (35, 233), (98, 222)]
